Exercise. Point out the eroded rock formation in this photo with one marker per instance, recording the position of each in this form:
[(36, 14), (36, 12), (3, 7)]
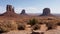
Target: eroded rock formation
[(9, 11), (46, 12), (23, 12)]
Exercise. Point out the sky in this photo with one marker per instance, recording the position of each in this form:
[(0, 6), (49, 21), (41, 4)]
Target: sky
[(31, 6)]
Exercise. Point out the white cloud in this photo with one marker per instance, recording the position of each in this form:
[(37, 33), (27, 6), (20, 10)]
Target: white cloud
[(36, 10), (2, 9), (55, 10), (29, 10)]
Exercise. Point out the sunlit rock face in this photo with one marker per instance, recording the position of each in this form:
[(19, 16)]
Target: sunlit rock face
[(23, 12), (46, 12)]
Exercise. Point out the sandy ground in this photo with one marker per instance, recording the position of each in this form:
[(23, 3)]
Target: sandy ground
[(18, 32), (54, 31)]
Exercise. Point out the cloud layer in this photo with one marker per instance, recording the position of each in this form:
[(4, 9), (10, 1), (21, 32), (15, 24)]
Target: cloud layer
[(29, 10)]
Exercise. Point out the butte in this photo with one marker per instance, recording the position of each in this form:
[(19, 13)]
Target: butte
[(9, 11), (46, 12)]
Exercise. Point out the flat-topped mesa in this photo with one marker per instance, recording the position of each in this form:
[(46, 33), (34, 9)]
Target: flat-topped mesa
[(23, 12), (9, 11), (46, 12)]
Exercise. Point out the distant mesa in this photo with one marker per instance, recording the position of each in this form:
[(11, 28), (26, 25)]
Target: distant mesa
[(46, 12), (23, 12), (9, 11)]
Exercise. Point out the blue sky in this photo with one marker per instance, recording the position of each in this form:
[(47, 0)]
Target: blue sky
[(31, 6)]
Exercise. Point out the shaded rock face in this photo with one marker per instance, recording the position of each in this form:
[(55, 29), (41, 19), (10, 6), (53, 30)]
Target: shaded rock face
[(9, 8), (9, 11), (46, 12), (23, 12)]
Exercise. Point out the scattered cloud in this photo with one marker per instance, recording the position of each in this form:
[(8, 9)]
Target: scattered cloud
[(2, 10), (29, 10), (55, 10)]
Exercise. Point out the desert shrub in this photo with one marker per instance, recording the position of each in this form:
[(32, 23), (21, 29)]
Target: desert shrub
[(41, 23), (50, 19), (32, 21), (11, 25), (49, 25), (36, 27), (3, 29), (7, 25), (21, 26), (42, 33), (58, 24)]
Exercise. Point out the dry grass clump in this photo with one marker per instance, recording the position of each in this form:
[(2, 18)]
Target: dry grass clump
[(58, 24), (35, 33), (7, 25), (36, 27), (33, 21), (3, 29), (51, 24), (21, 26)]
